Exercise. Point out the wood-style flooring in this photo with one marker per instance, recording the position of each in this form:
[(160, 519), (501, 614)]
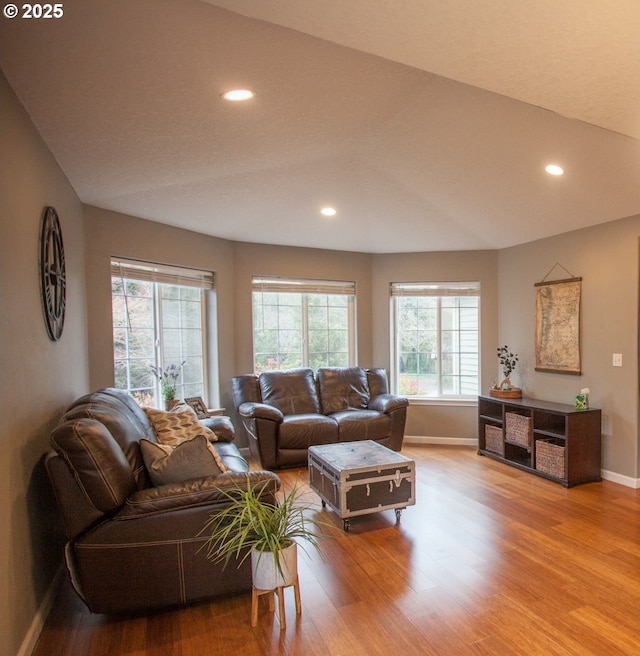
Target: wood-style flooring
[(490, 560)]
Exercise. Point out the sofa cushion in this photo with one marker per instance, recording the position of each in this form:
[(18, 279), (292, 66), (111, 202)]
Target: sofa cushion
[(194, 458), (97, 461), (342, 388), (222, 426), (177, 425), (378, 382), (356, 425), (303, 431), (293, 392), (123, 418)]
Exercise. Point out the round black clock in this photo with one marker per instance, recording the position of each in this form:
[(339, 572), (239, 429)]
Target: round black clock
[(53, 283)]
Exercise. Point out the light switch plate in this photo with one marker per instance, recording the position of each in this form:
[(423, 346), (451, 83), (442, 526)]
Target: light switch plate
[(617, 359)]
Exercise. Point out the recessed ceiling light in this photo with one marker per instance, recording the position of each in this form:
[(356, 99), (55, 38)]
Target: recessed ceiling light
[(238, 94), (328, 211), (554, 169)]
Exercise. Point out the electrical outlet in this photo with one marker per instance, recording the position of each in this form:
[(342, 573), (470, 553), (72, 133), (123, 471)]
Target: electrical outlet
[(617, 359)]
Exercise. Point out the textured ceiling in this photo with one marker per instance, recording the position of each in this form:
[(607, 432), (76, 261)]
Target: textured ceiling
[(575, 57), (427, 126)]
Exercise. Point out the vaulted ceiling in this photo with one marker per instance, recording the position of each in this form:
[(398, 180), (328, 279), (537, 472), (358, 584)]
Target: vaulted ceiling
[(427, 124)]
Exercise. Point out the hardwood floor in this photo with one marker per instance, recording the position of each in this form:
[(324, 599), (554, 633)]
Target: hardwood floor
[(490, 561)]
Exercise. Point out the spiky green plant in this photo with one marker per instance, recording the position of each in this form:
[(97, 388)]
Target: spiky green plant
[(249, 522)]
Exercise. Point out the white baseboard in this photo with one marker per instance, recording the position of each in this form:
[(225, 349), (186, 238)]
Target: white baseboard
[(30, 640), (627, 481), (455, 441)]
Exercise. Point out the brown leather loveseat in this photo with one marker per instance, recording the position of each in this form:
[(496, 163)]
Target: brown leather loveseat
[(286, 412), (132, 545)]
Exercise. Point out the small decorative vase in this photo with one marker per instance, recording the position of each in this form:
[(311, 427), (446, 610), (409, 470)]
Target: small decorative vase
[(267, 575), (170, 403)]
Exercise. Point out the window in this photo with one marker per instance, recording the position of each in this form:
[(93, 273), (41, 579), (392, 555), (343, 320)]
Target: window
[(158, 320), (302, 323), (436, 339)]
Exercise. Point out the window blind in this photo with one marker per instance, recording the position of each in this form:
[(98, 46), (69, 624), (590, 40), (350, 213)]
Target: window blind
[(303, 286), (468, 288), (161, 273)]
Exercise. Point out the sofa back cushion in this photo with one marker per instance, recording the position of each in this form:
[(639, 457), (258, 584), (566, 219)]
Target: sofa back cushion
[(97, 462), (293, 391), (125, 420), (342, 388), (246, 389), (378, 382)]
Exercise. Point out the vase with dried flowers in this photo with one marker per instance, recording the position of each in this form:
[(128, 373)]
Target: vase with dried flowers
[(508, 362), (168, 378)]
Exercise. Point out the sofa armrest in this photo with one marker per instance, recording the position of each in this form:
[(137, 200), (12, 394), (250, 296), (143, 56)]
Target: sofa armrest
[(387, 403), (196, 492), (222, 427), (260, 411)]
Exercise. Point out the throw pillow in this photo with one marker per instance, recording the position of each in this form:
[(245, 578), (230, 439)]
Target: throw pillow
[(177, 425), (194, 458)]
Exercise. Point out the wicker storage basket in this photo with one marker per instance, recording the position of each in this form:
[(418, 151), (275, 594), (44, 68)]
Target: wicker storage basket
[(493, 439), (517, 429), (550, 457)]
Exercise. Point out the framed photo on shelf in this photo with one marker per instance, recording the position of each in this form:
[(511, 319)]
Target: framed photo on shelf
[(198, 406)]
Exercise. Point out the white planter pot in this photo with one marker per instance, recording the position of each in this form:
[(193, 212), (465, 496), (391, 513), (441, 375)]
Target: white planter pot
[(267, 576)]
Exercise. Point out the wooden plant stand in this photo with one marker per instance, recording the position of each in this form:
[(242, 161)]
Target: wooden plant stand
[(256, 593)]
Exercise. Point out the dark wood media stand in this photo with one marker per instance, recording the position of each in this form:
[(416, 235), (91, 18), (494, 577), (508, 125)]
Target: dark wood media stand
[(553, 440)]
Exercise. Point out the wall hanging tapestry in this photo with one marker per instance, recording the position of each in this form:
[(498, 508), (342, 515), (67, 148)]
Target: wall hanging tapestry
[(558, 325)]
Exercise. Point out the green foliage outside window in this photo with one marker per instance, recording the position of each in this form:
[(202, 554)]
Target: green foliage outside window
[(436, 345), (300, 330)]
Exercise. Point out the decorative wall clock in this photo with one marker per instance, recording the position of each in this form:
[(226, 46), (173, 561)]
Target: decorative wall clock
[(53, 282)]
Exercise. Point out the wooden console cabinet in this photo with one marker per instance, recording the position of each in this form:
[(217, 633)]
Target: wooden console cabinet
[(552, 440)]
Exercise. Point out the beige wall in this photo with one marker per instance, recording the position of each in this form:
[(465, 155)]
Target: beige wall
[(606, 257), (39, 377)]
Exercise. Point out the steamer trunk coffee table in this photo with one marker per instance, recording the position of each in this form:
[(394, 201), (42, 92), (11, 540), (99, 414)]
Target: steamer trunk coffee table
[(358, 478)]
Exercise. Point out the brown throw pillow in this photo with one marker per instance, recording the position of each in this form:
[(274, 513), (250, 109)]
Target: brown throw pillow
[(177, 425), (194, 458)]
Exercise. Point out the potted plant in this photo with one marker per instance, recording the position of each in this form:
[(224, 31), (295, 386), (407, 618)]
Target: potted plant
[(508, 362), (168, 380), (253, 525)]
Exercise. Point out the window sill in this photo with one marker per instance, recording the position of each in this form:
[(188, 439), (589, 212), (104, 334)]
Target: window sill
[(443, 401)]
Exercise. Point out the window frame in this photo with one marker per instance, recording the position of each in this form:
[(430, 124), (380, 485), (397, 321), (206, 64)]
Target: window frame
[(439, 290), (305, 287), (159, 275)]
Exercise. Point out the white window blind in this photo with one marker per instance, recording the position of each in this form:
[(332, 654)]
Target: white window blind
[(161, 273), (303, 286), (435, 289)]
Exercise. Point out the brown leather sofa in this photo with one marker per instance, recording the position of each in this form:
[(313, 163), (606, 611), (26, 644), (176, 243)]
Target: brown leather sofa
[(286, 412), (132, 546)]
